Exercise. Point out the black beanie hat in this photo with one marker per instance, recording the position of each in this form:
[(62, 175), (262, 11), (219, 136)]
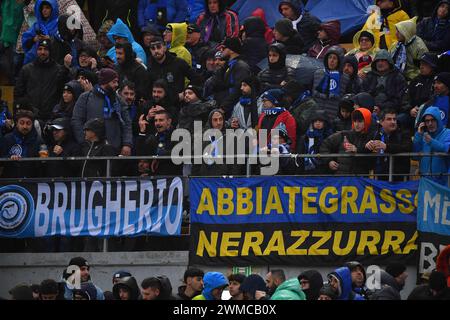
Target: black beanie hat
[(284, 26), (45, 44), (364, 100), (234, 44), (367, 34), (197, 90), (444, 77), (79, 261), (395, 269)]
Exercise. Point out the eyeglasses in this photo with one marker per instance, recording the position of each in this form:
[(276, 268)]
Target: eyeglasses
[(156, 46)]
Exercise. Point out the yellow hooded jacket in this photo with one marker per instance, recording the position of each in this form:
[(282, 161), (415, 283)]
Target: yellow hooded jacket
[(358, 53), (179, 34), (415, 47), (373, 24)]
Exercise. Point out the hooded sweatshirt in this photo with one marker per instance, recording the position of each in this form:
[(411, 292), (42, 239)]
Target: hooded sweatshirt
[(335, 144), (387, 89), (63, 110), (120, 29), (254, 46), (130, 284), (439, 143), (364, 58), (315, 283), (321, 47), (276, 73), (179, 34), (382, 24), (345, 283), (268, 33), (211, 280), (434, 31), (47, 27), (407, 55)]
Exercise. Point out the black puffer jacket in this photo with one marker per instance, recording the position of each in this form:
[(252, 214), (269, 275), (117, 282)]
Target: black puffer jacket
[(39, 87), (254, 47), (276, 73)]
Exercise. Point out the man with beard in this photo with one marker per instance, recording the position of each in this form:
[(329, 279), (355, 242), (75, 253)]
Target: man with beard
[(166, 65), (104, 103), (129, 69), (274, 279), (158, 144), (40, 83), (22, 142), (160, 101)]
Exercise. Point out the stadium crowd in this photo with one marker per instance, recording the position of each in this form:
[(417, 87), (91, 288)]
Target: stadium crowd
[(119, 78), (349, 282)]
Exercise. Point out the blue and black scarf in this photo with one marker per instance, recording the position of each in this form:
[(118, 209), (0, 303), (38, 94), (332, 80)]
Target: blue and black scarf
[(109, 107), (330, 84)]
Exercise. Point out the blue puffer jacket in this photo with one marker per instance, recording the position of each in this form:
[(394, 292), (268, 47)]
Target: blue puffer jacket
[(170, 10), (120, 29), (47, 27), (345, 281), (440, 143)]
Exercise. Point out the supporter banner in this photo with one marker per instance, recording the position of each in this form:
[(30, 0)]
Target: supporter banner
[(433, 223), (95, 208), (300, 221)]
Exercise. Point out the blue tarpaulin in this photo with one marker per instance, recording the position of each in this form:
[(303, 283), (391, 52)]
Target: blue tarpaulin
[(351, 13)]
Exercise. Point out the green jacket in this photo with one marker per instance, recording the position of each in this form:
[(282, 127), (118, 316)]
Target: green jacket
[(289, 290), (415, 47), (12, 18)]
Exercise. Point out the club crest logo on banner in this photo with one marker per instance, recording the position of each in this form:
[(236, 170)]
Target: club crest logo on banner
[(16, 204)]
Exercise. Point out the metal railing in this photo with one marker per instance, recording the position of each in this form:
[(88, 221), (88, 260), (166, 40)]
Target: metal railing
[(247, 162)]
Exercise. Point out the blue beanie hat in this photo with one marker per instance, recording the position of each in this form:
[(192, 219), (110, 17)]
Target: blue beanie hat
[(273, 95)]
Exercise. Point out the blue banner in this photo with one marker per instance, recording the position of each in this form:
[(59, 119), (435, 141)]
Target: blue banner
[(301, 200), (301, 221), (433, 223), (95, 208), (433, 208)]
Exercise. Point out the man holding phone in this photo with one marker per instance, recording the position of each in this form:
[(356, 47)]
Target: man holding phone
[(431, 137)]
